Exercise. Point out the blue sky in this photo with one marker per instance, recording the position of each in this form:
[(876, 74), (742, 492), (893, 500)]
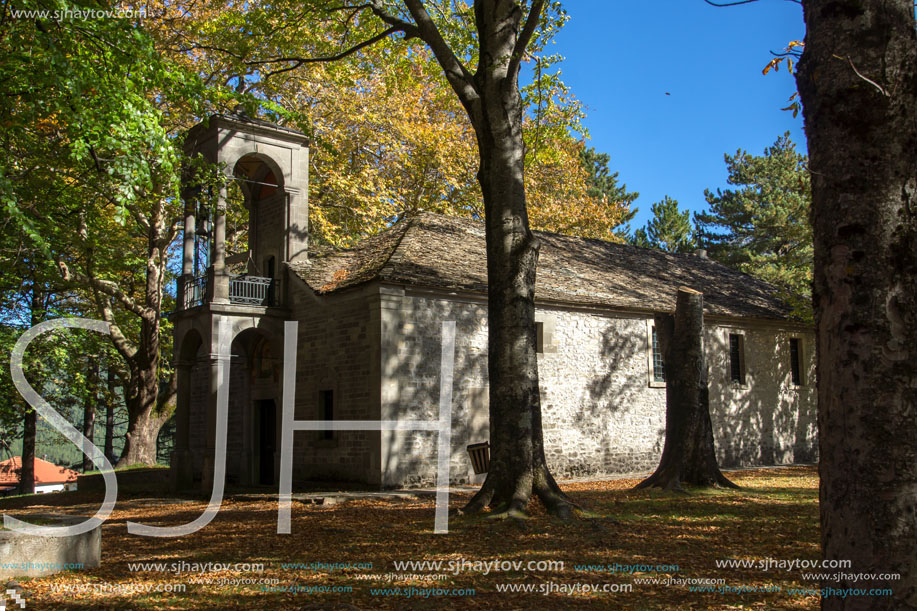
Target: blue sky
[(624, 56)]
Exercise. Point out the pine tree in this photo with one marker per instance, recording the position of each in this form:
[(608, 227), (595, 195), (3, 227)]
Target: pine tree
[(762, 227), (602, 184), (669, 229)]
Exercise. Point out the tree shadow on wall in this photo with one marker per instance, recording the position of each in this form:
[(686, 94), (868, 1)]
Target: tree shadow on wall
[(766, 420), (617, 380), (411, 456)]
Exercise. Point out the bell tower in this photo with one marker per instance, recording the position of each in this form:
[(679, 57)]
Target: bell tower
[(270, 164)]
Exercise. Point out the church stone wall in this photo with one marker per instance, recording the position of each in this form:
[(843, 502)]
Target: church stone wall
[(337, 352), (767, 420), (411, 358), (602, 413)]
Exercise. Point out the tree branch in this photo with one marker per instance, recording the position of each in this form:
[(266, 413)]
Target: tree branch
[(395, 25), (299, 61), (738, 2), (408, 28), (172, 232), (196, 47), (139, 217), (104, 286), (461, 80), (525, 37), (165, 397), (123, 345), (96, 160)]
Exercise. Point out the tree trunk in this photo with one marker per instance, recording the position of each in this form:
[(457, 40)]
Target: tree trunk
[(30, 421), (858, 84), (517, 466), (27, 475), (89, 408), (140, 439), (147, 407), (143, 416), (689, 455), (110, 415)]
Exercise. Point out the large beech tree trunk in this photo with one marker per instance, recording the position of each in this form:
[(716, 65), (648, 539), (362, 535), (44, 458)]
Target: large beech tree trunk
[(147, 407), (140, 439), (148, 400), (491, 96), (517, 466), (858, 83), (689, 455)]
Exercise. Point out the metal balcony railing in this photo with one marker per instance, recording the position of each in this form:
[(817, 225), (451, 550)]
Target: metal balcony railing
[(245, 290), (195, 292), (251, 290)]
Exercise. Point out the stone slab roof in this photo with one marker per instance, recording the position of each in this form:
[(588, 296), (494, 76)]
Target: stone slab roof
[(445, 252), (245, 124), (241, 117)]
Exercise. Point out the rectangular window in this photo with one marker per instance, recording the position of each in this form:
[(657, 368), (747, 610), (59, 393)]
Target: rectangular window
[(326, 407), (658, 368), (737, 358), (539, 337), (795, 371)]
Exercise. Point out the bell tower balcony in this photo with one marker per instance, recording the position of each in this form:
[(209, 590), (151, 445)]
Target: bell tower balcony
[(243, 290)]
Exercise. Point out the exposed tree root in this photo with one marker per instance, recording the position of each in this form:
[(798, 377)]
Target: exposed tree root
[(723, 482), (510, 497), (670, 479), (509, 513)]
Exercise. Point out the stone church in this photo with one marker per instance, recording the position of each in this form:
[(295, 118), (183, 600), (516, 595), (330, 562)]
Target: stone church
[(369, 327)]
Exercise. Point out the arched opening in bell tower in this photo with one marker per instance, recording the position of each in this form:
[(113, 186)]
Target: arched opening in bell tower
[(255, 218), (260, 218)]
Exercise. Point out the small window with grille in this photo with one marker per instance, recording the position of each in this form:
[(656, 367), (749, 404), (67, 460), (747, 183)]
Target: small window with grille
[(658, 367), (795, 358), (737, 358), (655, 367)]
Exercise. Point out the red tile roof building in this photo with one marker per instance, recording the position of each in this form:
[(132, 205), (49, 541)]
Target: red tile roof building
[(45, 472)]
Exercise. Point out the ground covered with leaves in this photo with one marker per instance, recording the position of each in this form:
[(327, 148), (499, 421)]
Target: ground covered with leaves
[(629, 550)]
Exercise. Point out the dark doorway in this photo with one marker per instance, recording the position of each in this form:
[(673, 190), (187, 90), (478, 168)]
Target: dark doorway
[(266, 412)]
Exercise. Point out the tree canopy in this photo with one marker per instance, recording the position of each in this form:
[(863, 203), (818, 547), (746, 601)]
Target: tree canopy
[(670, 229), (761, 226), (91, 174), (389, 136)]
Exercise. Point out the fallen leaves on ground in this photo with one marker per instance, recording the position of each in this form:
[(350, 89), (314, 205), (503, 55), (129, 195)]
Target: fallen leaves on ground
[(668, 537)]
